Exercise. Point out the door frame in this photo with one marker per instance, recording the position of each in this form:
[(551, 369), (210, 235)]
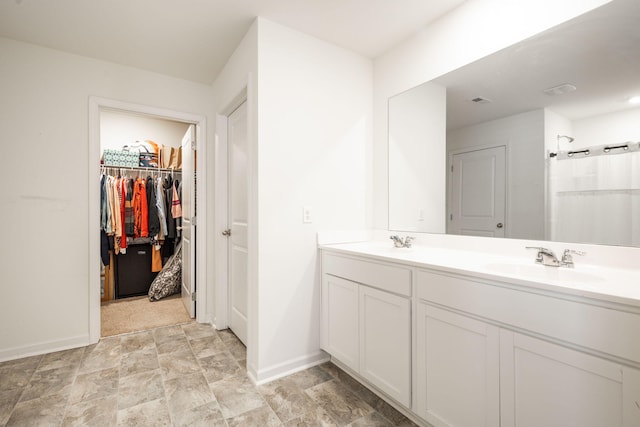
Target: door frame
[(244, 91), (222, 300), (96, 104), (449, 180)]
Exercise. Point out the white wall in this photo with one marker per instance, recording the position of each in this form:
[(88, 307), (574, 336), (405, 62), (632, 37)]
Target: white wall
[(554, 125), (472, 31), (523, 135), (314, 149), (613, 128), (309, 109), (45, 127), (119, 129)]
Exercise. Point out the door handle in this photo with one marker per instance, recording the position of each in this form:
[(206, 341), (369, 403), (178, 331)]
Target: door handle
[(226, 232), (499, 225)]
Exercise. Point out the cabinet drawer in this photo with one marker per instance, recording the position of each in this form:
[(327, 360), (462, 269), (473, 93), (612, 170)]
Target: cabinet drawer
[(386, 277), (574, 322)]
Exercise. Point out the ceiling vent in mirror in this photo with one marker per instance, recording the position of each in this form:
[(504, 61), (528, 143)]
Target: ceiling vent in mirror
[(481, 100), (560, 90)]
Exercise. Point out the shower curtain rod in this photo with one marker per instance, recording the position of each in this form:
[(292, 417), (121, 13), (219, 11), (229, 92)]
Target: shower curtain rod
[(598, 150)]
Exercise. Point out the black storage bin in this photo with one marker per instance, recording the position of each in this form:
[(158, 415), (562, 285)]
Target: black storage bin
[(133, 271)]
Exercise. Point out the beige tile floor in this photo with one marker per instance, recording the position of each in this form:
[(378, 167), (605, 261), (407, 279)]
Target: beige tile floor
[(183, 375)]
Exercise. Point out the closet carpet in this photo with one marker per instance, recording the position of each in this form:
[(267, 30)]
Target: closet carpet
[(139, 314)]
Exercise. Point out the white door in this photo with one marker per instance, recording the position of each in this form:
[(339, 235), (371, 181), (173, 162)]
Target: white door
[(238, 218), (188, 223), (478, 193)]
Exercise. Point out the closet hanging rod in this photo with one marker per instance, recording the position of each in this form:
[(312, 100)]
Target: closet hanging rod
[(142, 168)]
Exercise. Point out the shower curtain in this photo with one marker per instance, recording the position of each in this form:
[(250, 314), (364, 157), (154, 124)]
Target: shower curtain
[(596, 199)]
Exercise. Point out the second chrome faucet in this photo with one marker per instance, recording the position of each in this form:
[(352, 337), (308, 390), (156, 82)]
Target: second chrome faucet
[(399, 242), (547, 257)]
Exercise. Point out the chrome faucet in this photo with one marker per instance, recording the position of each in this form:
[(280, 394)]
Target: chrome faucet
[(399, 242), (547, 257)]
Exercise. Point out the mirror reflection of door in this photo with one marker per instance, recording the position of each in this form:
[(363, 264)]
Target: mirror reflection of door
[(477, 205), (238, 218)]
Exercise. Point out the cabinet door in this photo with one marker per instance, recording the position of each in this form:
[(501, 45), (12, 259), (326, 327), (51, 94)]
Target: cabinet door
[(340, 320), (545, 384), (630, 397), (385, 342), (457, 372)]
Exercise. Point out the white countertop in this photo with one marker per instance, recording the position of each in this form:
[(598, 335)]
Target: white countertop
[(615, 285)]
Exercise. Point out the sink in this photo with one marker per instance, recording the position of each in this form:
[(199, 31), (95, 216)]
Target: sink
[(544, 273)]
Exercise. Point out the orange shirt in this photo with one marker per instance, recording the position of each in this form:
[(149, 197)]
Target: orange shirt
[(140, 209)]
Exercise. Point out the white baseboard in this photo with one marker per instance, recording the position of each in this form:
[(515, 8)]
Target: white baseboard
[(287, 368), (44, 347)]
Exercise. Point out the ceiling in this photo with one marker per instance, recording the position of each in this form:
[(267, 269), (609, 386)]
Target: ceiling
[(598, 53), (193, 39)]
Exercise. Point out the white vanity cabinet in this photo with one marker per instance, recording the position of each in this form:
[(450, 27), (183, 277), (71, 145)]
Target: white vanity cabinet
[(457, 348), (529, 359), (366, 321), (457, 380)]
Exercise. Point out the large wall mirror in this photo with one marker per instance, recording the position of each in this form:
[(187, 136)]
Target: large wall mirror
[(540, 140)]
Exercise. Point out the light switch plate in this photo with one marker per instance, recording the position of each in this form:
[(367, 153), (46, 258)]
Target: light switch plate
[(306, 215)]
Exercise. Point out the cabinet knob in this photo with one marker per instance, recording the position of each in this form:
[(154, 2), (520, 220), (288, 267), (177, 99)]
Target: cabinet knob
[(226, 232), (499, 225)]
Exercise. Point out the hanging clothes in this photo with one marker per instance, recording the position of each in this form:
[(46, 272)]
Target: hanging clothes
[(105, 209), (152, 209), (171, 222), (104, 248), (160, 204), (140, 209), (176, 206), (122, 192), (129, 217), (116, 217)]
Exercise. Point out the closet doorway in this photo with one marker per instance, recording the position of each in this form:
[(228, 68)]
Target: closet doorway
[(123, 289)]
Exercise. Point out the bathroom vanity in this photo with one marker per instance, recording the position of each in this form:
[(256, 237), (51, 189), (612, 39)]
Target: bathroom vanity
[(461, 338)]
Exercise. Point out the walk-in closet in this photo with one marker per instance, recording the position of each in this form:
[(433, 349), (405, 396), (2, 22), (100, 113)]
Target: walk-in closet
[(141, 230)]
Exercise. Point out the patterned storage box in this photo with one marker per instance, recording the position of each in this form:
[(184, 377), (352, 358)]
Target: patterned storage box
[(121, 158)]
